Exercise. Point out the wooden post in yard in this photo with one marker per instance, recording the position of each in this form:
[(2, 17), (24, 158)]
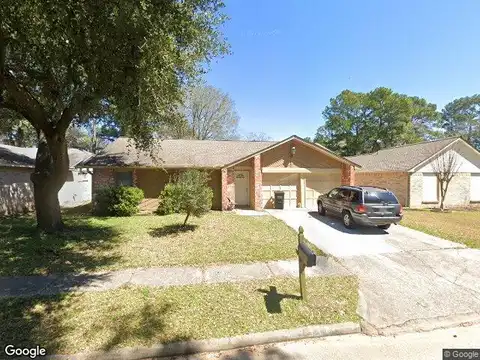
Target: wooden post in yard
[(301, 267)]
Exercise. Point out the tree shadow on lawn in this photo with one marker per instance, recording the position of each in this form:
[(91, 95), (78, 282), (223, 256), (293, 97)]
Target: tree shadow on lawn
[(60, 322), (175, 229), (80, 246), (50, 322)]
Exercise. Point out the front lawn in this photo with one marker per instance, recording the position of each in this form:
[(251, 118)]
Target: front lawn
[(141, 316), (93, 244), (458, 226)]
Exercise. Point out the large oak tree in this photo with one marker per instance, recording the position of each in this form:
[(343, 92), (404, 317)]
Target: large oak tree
[(461, 117), (357, 123), (61, 61)]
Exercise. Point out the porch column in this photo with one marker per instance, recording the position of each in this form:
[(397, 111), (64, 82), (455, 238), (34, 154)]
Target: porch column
[(257, 182), (228, 189), (134, 177), (348, 174), (300, 195)]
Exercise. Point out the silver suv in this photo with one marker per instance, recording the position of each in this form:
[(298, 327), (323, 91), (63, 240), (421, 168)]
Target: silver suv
[(362, 205)]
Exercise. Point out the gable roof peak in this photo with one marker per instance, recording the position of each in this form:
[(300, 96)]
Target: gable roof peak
[(402, 158)]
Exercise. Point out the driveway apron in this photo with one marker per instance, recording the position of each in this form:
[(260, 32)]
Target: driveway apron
[(409, 280)]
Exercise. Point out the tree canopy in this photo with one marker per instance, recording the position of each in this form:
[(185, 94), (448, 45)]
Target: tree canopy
[(205, 113), (358, 123), (210, 114), (461, 117), (63, 61)]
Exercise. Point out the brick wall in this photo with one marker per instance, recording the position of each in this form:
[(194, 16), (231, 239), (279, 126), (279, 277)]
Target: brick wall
[(416, 190), (102, 178), (458, 193), (16, 191), (228, 189), (395, 181), (257, 183), (348, 174)]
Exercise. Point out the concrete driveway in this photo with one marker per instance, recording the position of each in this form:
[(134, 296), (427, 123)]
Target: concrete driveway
[(408, 280)]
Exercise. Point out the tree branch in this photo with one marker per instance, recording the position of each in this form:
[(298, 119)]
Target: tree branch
[(24, 103), (78, 102), (3, 52)]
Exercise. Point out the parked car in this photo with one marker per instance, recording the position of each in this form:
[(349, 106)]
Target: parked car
[(362, 205)]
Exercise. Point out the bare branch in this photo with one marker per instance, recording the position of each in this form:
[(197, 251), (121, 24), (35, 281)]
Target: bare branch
[(445, 167)]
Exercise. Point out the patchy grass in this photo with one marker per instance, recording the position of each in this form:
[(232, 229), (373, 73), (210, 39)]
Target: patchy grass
[(458, 226), (92, 244), (140, 316)]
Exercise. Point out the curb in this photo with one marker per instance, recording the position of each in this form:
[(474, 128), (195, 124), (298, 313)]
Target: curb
[(422, 325), (214, 345)]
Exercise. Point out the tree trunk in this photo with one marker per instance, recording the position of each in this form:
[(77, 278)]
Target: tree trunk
[(186, 219), (51, 170)]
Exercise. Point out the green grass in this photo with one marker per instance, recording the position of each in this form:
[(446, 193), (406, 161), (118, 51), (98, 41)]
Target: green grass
[(92, 244), (458, 226), (139, 316)]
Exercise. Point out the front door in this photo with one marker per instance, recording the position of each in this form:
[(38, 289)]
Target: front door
[(242, 188)]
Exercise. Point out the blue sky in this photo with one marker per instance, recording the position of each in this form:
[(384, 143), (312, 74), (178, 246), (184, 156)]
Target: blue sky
[(291, 56)]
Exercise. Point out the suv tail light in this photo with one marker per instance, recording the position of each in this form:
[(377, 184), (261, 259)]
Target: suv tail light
[(361, 208), (401, 210)]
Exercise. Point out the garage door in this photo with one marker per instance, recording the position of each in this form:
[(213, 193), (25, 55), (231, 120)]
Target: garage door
[(279, 182), (317, 184)]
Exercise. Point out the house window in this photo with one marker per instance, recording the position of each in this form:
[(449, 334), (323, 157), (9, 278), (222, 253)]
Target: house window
[(430, 188), (475, 187), (124, 178)]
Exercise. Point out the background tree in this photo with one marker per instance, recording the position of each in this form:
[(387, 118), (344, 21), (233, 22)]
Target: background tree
[(355, 121), (16, 130), (461, 117), (91, 135), (62, 61), (445, 167), (260, 136), (210, 114)]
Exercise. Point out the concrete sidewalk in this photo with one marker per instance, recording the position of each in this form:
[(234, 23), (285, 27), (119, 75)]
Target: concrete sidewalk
[(171, 276)]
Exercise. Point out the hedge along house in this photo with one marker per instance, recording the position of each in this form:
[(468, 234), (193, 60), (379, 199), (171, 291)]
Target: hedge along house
[(243, 173), (409, 171)]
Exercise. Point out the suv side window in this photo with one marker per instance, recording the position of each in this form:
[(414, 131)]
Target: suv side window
[(356, 196), (344, 195), (333, 193)]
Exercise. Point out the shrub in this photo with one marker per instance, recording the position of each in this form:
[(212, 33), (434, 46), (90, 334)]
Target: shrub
[(168, 200), (188, 193), (118, 201)]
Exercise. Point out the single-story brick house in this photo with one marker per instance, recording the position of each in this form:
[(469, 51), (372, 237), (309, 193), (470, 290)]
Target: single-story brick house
[(409, 172), (16, 189), (243, 173)]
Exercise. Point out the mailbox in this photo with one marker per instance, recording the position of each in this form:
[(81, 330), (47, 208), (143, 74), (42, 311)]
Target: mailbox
[(307, 256)]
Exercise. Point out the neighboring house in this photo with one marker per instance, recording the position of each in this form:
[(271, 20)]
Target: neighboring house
[(16, 189), (409, 172), (243, 173)]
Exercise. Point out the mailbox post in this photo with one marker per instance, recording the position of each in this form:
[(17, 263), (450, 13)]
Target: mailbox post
[(306, 258)]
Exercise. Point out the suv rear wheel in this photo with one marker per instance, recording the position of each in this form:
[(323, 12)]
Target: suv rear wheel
[(347, 219), (321, 209)]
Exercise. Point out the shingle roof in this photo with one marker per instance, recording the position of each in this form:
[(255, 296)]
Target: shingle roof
[(401, 158), (14, 156), (176, 153)]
